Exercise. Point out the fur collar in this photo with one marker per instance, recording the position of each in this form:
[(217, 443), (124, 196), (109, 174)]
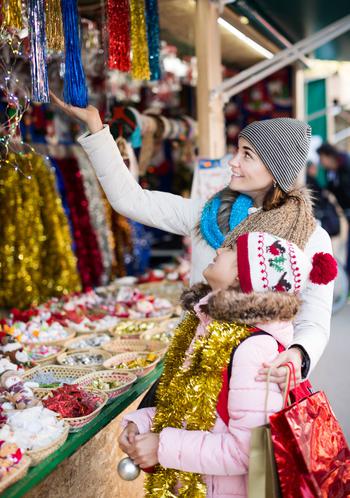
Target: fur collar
[(249, 309)]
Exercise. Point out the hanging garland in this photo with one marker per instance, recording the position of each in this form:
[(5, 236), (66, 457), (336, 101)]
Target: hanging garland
[(96, 211), (11, 14), (188, 396), (118, 19), (140, 64), (54, 26), (36, 259), (75, 89), (152, 20), (87, 250), (37, 37)]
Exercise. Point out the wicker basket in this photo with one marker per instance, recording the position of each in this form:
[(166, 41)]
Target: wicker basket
[(70, 344), (126, 379), (134, 346), (36, 456), (15, 474), (137, 327), (122, 357), (61, 358), (163, 332), (59, 371), (48, 360), (76, 424), (59, 342)]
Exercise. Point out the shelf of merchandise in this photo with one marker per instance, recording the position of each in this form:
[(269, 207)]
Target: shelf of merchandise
[(76, 440)]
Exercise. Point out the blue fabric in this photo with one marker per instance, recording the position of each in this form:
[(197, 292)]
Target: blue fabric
[(209, 227)]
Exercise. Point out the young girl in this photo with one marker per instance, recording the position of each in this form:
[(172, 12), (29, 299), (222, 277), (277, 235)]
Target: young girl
[(201, 426)]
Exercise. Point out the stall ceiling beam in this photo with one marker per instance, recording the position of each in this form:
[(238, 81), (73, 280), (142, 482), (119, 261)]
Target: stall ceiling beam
[(263, 69)]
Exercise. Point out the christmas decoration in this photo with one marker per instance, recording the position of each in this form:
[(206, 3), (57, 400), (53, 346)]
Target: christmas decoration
[(152, 20), (75, 89), (140, 64), (12, 14), (118, 17), (38, 65), (127, 470), (54, 27)]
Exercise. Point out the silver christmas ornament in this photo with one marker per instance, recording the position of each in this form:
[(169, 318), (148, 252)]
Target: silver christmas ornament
[(127, 470)]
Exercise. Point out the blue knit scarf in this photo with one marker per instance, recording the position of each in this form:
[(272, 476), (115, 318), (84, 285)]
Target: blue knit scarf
[(209, 227)]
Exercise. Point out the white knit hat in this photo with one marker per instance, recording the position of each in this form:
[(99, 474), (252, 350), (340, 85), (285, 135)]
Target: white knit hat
[(268, 263)]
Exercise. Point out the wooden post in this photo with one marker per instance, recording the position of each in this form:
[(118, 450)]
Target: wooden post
[(210, 115)]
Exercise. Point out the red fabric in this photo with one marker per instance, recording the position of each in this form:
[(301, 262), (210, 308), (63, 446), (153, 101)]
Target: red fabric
[(312, 456), (243, 264), (301, 392)]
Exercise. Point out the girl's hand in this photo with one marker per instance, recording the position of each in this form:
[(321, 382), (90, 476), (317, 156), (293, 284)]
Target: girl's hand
[(126, 439), (89, 115), (145, 450), (279, 373)]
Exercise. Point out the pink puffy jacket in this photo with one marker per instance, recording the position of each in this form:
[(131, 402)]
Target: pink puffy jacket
[(222, 454)]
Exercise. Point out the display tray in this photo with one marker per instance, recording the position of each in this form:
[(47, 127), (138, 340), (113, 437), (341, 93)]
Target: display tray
[(76, 440)]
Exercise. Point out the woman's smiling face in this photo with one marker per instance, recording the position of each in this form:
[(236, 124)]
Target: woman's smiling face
[(249, 174)]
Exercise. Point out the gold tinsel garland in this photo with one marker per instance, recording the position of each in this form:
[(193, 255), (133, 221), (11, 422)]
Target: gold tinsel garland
[(54, 26), (140, 62), (36, 258), (12, 14), (189, 395)]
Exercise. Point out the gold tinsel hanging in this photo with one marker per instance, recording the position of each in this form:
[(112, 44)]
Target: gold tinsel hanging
[(140, 63), (54, 26), (12, 14), (189, 395), (36, 259)]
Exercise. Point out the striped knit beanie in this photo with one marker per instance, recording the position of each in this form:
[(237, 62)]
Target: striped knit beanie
[(283, 146)]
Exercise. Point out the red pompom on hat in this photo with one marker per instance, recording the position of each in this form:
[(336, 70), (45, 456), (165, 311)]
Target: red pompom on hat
[(324, 268)]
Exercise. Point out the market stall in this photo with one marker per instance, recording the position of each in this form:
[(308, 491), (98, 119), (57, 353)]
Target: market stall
[(69, 368), (85, 323)]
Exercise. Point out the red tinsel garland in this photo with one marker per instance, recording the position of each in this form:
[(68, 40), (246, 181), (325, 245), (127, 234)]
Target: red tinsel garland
[(118, 19), (86, 246)]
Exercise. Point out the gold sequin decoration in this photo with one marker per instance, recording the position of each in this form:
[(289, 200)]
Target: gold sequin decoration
[(12, 14), (36, 258), (189, 395), (54, 26), (140, 64)]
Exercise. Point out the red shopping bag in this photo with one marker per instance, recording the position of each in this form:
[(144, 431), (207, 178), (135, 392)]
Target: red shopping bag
[(312, 456)]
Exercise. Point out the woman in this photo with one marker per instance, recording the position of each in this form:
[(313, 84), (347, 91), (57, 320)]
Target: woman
[(261, 196)]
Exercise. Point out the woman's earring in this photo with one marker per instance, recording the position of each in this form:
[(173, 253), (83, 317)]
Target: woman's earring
[(274, 184)]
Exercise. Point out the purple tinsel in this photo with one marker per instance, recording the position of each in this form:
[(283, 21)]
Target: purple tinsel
[(38, 65), (75, 90)]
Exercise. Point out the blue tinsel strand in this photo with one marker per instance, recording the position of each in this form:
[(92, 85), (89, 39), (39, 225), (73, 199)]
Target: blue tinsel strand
[(38, 65), (209, 227), (153, 38), (75, 89)]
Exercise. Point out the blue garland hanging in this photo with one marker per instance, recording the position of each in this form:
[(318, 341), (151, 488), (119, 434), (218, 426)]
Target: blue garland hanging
[(209, 227), (75, 90), (153, 38), (38, 64)]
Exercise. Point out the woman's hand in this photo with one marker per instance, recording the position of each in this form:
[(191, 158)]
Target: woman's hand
[(145, 450), (126, 439), (279, 373), (89, 115)]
